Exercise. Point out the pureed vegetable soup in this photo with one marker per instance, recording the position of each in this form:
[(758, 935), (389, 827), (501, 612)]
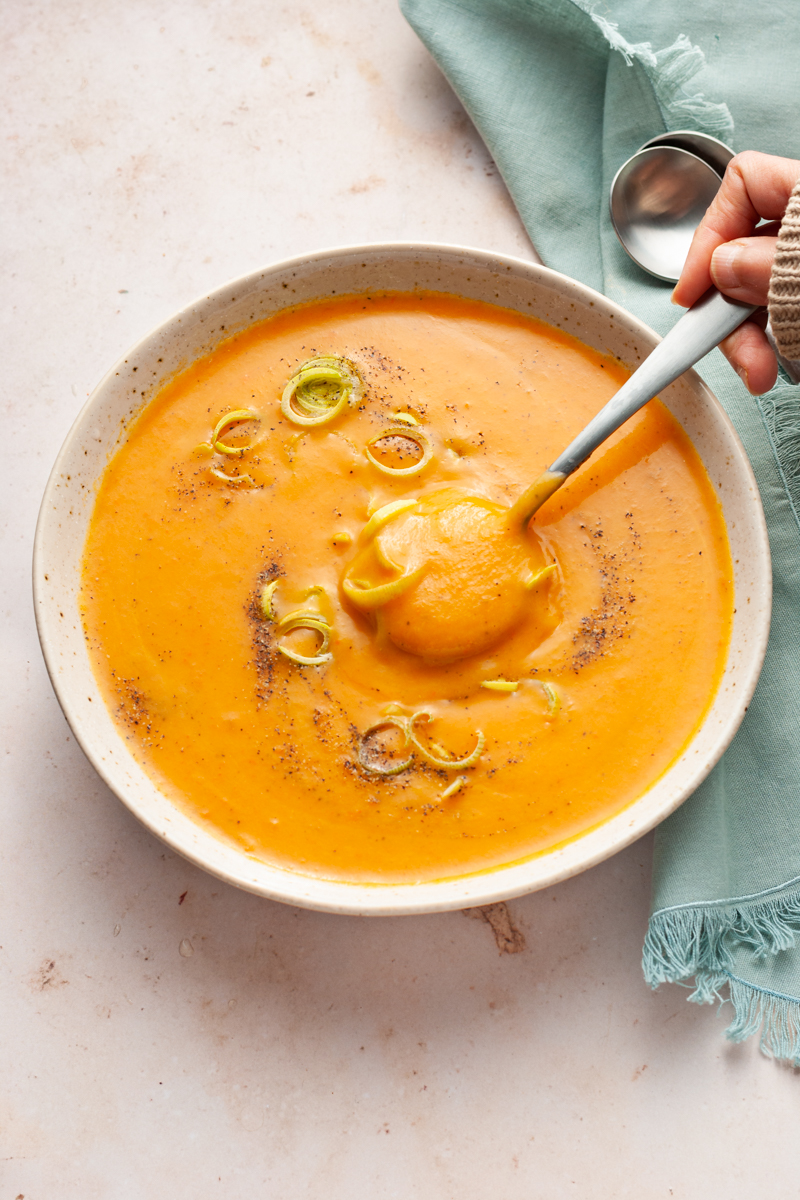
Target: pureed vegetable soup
[(324, 637)]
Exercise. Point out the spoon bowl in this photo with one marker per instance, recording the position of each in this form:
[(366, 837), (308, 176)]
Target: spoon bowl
[(658, 199)]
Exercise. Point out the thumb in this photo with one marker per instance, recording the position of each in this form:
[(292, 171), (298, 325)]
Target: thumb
[(741, 269)]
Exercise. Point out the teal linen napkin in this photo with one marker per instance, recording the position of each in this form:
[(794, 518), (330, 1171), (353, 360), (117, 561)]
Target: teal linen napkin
[(562, 96)]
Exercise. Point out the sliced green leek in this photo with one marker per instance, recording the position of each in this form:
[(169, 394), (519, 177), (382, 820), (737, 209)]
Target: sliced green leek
[(449, 764), (454, 787), (410, 435), (215, 471), (540, 576), (368, 598), (553, 698), (390, 721), (306, 620), (500, 685), (406, 418), (320, 391), (385, 514), (268, 600), (394, 719), (223, 425)]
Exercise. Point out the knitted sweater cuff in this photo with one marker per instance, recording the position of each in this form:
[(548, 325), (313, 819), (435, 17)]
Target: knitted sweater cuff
[(784, 284)]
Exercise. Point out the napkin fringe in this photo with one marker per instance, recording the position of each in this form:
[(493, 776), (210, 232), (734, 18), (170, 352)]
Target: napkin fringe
[(668, 70), (776, 1015), (699, 943), (780, 412), (681, 942)]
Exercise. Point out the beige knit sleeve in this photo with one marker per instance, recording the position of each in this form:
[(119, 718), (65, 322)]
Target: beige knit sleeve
[(784, 284)]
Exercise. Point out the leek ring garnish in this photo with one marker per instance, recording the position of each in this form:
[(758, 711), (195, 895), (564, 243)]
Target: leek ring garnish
[(268, 600), (396, 720), (385, 514), (304, 614), (540, 576), (390, 721), (410, 435), (449, 764), (320, 391), (368, 598), (406, 417), (553, 698), (224, 424), (500, 685), (306, 620), (454, 787), (215, 471)]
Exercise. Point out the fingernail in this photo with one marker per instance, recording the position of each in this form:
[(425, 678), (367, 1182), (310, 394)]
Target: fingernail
[(724, 262), (672, 299), (742, 373)]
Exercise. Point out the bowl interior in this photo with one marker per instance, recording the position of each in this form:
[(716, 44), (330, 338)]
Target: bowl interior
[(512, 283)]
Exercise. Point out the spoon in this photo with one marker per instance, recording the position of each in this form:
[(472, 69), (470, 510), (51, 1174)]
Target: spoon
[(707, 322), (657, 200)]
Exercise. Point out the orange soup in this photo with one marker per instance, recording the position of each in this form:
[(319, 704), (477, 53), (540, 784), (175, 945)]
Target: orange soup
[(321, 636)]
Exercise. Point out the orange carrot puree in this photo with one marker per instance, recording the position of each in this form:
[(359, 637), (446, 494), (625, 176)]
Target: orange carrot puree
[(617, 653)]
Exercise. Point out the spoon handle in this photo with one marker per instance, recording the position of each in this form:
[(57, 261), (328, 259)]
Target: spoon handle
[(706, 323)]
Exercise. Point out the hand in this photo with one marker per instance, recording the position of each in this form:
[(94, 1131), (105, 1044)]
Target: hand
[(730, 252)]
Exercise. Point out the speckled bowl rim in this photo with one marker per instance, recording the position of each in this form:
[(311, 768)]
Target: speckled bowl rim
[(496, 278)]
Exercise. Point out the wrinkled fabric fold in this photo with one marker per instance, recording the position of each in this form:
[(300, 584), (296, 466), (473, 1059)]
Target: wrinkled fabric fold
[(562, 97)]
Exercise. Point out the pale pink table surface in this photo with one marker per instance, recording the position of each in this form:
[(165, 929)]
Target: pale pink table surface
[(165, 1035)]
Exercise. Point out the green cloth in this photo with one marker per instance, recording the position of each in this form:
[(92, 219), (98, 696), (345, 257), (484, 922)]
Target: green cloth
[(562, 97)]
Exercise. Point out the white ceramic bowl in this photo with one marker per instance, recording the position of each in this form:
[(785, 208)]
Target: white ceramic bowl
[(515, 284)]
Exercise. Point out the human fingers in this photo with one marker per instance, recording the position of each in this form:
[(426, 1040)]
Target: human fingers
[(741, 268), (752, 357), (755, 186)]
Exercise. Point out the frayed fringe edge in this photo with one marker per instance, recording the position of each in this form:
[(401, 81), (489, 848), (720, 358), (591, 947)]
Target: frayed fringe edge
[(778, 1017), (668, 70), (780, 412), (685, 941), (682, 944)]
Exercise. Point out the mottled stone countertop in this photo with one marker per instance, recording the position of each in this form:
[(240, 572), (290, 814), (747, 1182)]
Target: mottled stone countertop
[(167, 1035)]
